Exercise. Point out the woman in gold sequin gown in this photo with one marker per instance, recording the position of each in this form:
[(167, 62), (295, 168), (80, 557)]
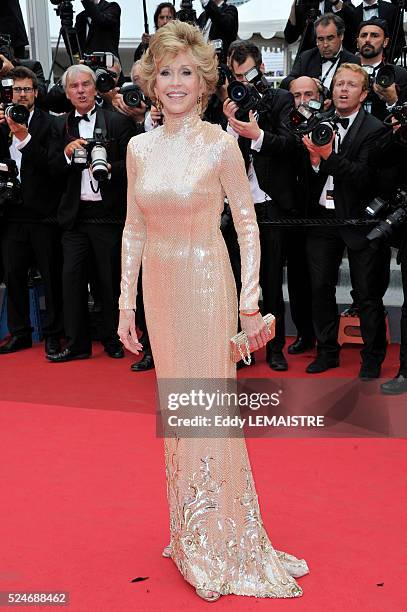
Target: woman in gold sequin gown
[(178, 175)]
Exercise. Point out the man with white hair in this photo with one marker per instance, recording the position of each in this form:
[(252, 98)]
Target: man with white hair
[(91, 212)]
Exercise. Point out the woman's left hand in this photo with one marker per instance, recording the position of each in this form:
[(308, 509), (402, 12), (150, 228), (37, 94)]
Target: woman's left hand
[(256, 330)]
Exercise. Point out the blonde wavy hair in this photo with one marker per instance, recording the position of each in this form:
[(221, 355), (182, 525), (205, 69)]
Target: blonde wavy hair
[(173, 38), (357, 70)]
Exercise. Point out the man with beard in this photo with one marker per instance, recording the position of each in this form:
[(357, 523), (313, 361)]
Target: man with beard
[(372, 40)]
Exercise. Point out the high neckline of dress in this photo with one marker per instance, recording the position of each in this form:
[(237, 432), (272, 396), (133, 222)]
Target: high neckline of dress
[(182, 125)]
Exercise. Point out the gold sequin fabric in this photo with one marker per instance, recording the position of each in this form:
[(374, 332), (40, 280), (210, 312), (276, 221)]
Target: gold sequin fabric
[(178, 176)]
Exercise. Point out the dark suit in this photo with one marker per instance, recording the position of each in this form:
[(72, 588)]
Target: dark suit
[(309, 64), (225, 23), (276, 177), (347, 13), (354, 187), (27, 241), (104, 30), (388, 12), (11, 22), (86, 243)]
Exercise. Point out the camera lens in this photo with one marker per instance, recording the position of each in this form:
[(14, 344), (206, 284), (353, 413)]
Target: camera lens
[(132, 95), (238, 92), (322, 134), (104, 81), (385, 76), (18, 113), (99, 163)]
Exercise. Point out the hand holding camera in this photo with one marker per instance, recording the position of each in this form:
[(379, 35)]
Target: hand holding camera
[(78, 143)]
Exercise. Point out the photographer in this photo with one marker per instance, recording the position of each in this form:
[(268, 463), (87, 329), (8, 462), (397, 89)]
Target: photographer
[(25, 234), (302, 11), (164, 13), (219, 21), (98, 26), (323, 61), (8, 62), (378, 9), (373, 39), (12, 23), (343, 186), (88, 154), (267, 147)]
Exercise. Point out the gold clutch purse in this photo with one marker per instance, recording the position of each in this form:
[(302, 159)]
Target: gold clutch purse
[(239, 344)]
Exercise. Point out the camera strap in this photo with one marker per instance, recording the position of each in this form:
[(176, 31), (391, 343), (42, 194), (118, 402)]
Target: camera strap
[(101, 122)]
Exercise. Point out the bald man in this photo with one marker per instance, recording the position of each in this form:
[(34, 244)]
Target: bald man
[(304, 89)]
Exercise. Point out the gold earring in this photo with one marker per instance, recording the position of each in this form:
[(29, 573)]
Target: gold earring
[(159, 106), (199, 105)]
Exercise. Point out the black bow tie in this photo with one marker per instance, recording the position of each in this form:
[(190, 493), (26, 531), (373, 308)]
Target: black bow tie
[(372, 6), (85, 117), (329, 59), (344, 121)]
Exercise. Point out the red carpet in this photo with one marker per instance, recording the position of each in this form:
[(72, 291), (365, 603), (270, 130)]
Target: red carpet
[(84, 506)]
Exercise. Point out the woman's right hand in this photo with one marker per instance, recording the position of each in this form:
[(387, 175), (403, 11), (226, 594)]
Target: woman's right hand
[(127, 331)]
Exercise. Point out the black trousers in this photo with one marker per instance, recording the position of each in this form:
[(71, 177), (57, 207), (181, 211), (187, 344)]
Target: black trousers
[(25, 245), (272, 260), (100, 244), (403, 321), (299, 282), (325, 248)]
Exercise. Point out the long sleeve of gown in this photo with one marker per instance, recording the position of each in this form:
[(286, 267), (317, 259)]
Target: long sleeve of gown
[(134, 236), (237, 188)]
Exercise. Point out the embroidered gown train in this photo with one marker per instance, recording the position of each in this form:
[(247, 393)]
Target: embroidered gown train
[(178, 175)]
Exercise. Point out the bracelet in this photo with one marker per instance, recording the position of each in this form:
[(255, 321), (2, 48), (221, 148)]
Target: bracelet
[(250, 314)]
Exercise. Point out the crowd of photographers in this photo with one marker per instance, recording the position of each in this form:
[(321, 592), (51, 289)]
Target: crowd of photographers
[(328, 148)]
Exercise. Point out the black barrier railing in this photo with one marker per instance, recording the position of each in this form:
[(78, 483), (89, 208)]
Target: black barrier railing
[(274, 222)]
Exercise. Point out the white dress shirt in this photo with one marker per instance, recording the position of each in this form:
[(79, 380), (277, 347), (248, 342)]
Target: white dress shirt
[(328, 70), (368, 14)]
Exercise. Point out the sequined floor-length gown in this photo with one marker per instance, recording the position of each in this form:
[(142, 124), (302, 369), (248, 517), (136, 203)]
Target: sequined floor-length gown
[(178, 175)]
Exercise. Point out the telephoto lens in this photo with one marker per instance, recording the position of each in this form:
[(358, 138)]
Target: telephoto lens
[(98, 163)]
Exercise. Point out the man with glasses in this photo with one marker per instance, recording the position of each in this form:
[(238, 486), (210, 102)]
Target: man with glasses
[(27, 239), (323, 61)]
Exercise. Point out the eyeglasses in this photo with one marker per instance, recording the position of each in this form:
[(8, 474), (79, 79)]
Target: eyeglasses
[(23, 89)]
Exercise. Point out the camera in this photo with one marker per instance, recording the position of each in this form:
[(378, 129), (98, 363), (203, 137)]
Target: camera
[(5, 48), (64, 10), (224, 72), (133, 96), (255, 95), (308, 119), (16, 112), (93, 156), (398, 216), (186, 13), (10, 188), (398, 117), (100, 62)]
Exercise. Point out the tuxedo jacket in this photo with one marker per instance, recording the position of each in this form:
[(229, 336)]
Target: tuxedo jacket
[(389, 12), (347, 13), (225, 23), (40, 192), (11, 22), (354, 176), (309, 63), (273, 165), (104, 31), (119, 130)]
